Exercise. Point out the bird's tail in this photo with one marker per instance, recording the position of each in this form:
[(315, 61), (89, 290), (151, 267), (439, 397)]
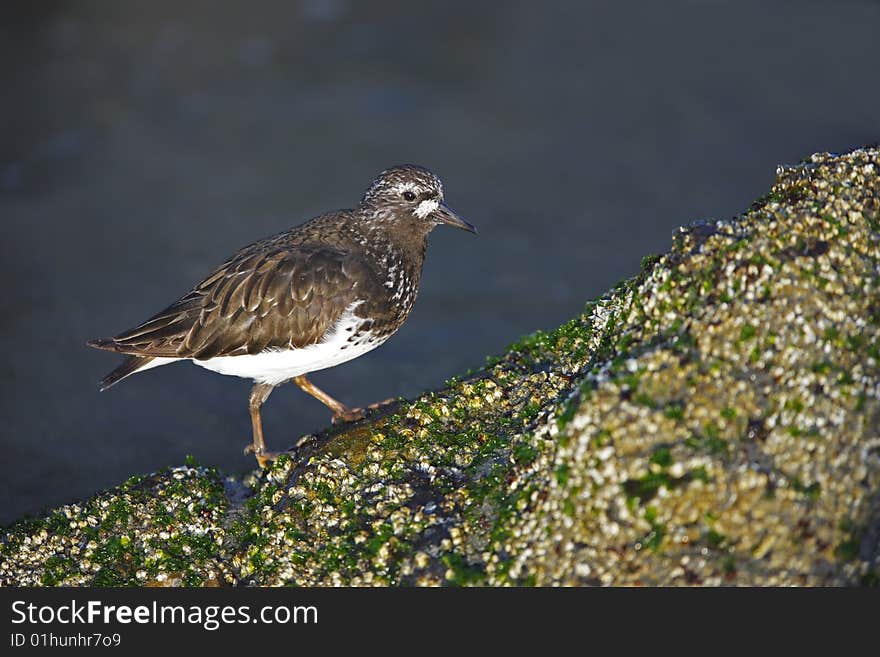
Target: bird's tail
[(107, 344), (129, 366)]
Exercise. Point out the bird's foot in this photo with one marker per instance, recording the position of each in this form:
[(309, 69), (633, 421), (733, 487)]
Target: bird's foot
[(354, 414), (350, 415), (264, 458)]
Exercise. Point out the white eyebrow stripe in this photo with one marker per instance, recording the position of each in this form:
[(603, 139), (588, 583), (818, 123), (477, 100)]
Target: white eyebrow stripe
[(426, 207), (407, 186)]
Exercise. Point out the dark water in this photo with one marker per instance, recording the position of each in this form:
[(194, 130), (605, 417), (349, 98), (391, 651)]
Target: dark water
[(142, 144)]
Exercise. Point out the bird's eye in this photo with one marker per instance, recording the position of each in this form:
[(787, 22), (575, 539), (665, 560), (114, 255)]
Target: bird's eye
[(409, 196)]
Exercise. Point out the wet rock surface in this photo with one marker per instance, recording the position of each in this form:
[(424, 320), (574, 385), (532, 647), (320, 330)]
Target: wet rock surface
[(714, 420)]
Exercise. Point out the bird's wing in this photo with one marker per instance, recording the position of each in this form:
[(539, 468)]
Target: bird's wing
[(282, 297)]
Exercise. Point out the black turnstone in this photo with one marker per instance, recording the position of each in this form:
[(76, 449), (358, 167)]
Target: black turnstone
[(315, 296)]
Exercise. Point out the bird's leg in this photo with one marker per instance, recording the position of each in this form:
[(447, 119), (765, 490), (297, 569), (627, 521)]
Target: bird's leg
[(259, 394), (341, 412)]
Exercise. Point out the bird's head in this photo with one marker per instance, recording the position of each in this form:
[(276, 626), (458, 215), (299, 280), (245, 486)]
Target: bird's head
[(412, 192)]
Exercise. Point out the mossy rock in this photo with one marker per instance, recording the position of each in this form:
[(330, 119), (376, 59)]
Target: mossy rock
[(714, 420)]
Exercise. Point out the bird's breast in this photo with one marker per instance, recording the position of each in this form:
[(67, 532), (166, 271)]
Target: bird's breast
[(401, 287)]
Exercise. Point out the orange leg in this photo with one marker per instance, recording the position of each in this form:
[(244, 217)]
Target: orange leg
[(341, 412), (259, 394)]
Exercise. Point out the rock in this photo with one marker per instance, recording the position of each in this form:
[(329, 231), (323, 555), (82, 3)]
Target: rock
[(714, 420)]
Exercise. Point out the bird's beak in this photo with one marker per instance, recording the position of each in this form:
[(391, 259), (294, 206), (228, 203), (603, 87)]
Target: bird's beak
[(446, 216)]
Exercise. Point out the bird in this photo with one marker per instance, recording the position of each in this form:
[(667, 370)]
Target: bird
[(306, 299)]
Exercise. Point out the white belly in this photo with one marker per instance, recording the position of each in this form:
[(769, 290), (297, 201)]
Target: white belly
[(274, 366)]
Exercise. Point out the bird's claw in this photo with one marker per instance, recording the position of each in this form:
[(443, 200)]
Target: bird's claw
[(354, 414), (351, 415), (264, 458)]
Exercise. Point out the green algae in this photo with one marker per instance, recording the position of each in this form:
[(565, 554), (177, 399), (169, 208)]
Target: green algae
[(679, 412)]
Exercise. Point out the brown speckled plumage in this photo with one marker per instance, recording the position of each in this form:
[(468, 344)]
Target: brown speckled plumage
[(289, 291)]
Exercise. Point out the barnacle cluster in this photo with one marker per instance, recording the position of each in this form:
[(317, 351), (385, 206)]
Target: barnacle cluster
[(714, 420)]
